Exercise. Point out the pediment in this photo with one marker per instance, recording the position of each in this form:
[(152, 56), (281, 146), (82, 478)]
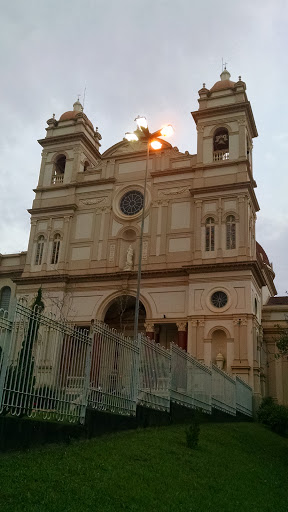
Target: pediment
[(125, 147)]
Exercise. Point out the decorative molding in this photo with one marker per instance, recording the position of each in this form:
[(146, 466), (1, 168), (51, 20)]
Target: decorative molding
[(149, 327), (240, 321), (160, 202), (112, 253), (103, 209), (95, 200), (181, 326), (173, 191), (145, 250)]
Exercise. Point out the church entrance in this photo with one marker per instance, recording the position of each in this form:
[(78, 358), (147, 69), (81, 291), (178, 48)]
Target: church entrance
[(165, 334), (120, 315)]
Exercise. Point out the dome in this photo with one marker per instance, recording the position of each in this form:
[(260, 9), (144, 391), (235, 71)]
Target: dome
[(72, 115), (262, 254), (224, 83)]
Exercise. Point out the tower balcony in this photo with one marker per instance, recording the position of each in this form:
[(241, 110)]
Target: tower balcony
[(220, 155), (57, 179)]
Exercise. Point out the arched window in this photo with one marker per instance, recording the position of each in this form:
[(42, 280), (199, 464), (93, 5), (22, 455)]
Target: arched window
[(39, 250), (230, 232), (59, 169), (5, 295), (221, 144), (55, 249), (210, 234), (86, 166)]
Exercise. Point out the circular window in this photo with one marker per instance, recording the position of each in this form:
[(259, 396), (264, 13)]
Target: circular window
[(132, 202), (219, 299)]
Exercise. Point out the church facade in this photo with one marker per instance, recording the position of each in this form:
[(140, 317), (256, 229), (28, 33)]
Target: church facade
[(205, 281)]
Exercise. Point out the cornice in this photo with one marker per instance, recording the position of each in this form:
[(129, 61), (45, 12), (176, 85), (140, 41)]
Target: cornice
[(75, 184), (273, 307), (230, 186), (68, 278), (171, 172), (226, 163), (11, 274), (224, 109), (69, 137), (175, 272), (49, 209), (225, 267)]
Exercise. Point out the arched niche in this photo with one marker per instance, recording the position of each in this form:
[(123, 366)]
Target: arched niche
[(219, 345)]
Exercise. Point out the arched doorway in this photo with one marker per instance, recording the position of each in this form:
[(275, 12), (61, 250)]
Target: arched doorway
[(120, 315)]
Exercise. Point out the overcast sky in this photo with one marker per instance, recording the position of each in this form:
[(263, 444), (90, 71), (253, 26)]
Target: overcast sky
[(140, 57)]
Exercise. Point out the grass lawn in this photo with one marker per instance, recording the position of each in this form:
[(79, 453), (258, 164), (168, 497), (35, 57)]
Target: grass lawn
[(236, 467)]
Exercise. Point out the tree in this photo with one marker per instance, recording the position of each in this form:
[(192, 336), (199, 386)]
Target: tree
[(282, 340), (20, 378)]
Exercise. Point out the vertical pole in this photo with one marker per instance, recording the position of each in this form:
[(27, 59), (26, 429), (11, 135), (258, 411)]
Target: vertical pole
[(136, 317), (87, 370)]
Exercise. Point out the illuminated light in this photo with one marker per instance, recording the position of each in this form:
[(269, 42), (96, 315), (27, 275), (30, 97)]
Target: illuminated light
[(167, 131), (155, 144), (131, 136), (141, 122)]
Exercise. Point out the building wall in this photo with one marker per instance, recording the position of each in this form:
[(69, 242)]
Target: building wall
[(81, 209), (275, 316)]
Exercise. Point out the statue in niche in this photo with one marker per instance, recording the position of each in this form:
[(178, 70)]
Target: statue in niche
[(129, 258), (220, 361)]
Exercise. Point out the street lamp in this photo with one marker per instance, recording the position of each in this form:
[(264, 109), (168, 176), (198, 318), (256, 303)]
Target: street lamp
[(144, 134)]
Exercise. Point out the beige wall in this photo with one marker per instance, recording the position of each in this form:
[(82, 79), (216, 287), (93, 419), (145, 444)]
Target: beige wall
[(178, 274)]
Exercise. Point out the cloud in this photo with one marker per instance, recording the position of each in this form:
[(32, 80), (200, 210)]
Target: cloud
[(137, 58)]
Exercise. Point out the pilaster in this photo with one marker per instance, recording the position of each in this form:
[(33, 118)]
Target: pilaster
[(182, 334), (198, 215)]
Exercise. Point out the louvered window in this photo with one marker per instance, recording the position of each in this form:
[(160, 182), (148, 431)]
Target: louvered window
[(5, 298), (55, 249), (210, 234), (230, 232), (39, 250)]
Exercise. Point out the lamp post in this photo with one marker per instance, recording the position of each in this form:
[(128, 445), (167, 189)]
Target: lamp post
[(144, 134)]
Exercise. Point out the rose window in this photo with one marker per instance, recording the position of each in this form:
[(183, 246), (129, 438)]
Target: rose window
[(219, 299), (132, 202)]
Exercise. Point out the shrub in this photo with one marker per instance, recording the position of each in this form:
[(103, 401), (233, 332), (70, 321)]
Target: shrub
[(273, 415), (192, 433)]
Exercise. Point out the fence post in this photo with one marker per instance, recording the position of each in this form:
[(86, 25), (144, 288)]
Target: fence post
[(87, 372)]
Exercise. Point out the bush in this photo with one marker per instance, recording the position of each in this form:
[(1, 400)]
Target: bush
[(192, 433), (274, 416)]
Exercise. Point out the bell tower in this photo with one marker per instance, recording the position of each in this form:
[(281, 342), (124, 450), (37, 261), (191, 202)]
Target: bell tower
[(226, 127), (225, 123), (225, 206), (71, 145), (70, 150)]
